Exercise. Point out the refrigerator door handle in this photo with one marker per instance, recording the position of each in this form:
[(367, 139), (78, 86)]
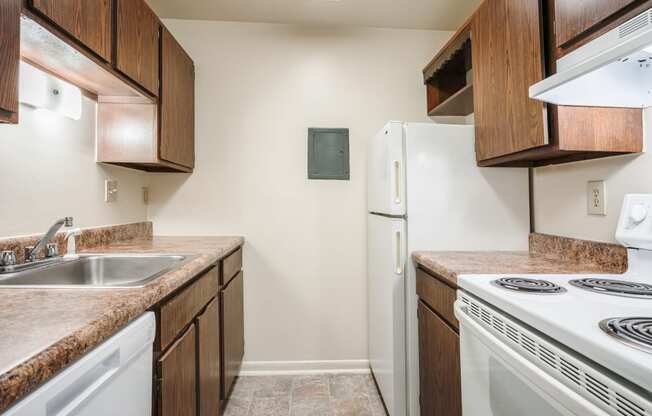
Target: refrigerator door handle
[(398, 257), (397, 182)]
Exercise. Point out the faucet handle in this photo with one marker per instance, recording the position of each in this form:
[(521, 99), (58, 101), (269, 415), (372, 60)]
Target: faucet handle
[(30, 256), (51, 250), (7, 258), (68, 221)]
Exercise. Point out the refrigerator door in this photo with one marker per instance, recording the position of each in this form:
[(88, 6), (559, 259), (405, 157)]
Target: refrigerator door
[(386, 171), (455, 205), (386, 262)]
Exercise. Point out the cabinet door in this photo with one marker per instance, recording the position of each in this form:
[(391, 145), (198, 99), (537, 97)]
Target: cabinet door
[(9, 59), (89, 21), (439, 366), (178, 372), (208, 343), (232, 331), (137, 43), (177, 97), (507, 59), (575, 17)]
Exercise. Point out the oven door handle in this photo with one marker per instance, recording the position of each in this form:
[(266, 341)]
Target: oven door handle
[(564, 399)]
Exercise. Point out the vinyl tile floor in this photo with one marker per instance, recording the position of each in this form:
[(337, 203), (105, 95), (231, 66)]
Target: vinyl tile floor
[(313, 395)]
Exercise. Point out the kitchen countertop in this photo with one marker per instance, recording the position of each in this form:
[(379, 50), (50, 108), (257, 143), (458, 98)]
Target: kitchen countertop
[(451, 264), (44, 330)]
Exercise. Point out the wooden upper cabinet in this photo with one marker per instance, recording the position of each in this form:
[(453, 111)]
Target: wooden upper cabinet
[(177, 98), (439, 366), (88, 21), (576, 17), (507, 58), (9, 59), (137, 43), (178, 372)]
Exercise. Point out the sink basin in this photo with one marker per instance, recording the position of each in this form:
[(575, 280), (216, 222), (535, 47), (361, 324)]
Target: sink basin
[(96, 270)]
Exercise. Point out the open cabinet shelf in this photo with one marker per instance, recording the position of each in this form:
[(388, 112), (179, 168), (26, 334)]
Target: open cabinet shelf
[(458, 104), (449, 78)]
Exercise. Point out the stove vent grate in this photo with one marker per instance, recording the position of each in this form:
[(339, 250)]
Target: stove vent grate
[(611, 396)]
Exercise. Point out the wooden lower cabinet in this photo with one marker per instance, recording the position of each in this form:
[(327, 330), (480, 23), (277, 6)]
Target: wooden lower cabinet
[(200, 342), (439, 365), (232, 331), (208, 342), (178, 377)]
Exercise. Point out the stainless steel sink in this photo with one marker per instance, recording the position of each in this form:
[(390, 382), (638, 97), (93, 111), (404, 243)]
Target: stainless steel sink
[(96, 271)]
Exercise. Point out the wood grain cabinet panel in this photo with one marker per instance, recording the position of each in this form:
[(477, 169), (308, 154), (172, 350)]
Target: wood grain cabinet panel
[(231, 266), (208, 347), (575, 17), (177, 97), (439, 366), (507, 53), (232, 331), (438, 296), (9, 59), (88, 21), (178, 372), (137, 43), (182, 309)]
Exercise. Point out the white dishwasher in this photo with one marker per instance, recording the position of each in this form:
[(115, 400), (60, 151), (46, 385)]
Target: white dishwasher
[(115, 378)]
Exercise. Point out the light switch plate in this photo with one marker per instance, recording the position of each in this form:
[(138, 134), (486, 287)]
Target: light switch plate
[(596, 194), (110, 191)]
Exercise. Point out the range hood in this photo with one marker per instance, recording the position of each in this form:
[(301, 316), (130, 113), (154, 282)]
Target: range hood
[(613, 70)]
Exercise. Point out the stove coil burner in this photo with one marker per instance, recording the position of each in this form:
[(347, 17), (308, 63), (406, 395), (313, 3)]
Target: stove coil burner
[(635, 332), (615, 287), (534, 286)]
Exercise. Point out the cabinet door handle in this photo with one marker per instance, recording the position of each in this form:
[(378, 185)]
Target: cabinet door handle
[(398, 258), (397, 182)]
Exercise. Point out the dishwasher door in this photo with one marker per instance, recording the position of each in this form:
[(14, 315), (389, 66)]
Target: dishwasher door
[(115, 378)]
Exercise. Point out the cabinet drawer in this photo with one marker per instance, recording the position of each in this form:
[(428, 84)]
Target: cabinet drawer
[(438, 296), (231, 266), (179, 311)]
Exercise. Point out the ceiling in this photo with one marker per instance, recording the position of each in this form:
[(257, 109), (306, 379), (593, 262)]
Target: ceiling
[(405, 14)]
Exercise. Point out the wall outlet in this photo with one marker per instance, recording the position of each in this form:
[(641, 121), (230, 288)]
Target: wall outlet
[(145, 195), (596, 198), (110, 191)]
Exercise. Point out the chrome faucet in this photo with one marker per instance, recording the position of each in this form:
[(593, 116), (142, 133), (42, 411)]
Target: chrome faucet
[(32, 252)]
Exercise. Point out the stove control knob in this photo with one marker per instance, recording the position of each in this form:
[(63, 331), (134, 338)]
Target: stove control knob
[(638, 214)]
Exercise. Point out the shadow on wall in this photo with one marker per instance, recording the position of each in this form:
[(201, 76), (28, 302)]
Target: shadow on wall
[(168, 184)]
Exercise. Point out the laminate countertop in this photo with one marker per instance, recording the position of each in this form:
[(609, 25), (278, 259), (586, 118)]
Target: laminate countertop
[(44, 330), (450, 264)]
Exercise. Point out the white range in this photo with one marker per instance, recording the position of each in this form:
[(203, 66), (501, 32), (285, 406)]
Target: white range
[(562, 344)]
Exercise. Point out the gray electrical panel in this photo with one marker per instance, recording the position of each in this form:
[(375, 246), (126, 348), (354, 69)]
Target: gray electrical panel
[(328, 154)]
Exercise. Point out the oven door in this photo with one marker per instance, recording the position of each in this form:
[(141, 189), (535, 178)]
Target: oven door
[(498, 381)]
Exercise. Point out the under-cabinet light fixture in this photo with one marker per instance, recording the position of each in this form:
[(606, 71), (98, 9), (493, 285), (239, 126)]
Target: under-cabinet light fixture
[(41, 90)]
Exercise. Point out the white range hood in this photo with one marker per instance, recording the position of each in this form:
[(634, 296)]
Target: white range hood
[(614, 70)]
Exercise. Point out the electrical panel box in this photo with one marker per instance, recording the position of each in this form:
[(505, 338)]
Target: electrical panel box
[(328, 154)]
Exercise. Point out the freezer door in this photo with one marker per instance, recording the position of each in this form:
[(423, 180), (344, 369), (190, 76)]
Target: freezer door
[(386, 254), (386, 171)]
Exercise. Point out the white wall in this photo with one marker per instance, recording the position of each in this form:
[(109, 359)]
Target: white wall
[(259, 88), (48, 171), (560, 192)]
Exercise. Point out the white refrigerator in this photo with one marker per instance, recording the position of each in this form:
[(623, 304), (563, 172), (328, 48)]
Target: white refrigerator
[(425, 192)]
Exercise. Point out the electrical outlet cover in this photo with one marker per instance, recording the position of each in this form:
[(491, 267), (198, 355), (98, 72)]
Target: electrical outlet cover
[(110, 191), (596, 195)]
